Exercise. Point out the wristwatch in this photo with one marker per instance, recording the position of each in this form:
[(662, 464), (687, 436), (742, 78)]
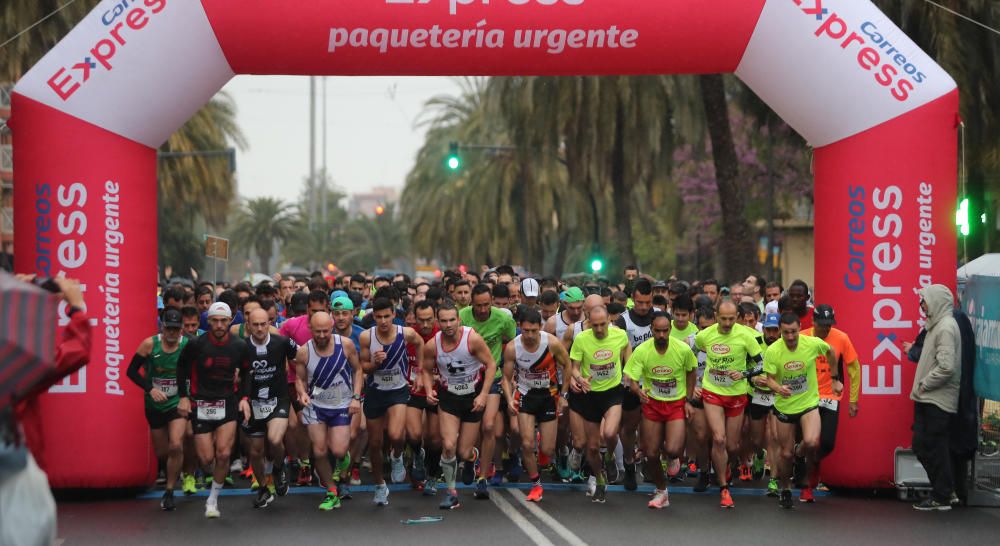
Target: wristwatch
[(356, 397)]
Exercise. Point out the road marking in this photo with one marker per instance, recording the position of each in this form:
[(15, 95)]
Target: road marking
[(522, 522), (560, 529)]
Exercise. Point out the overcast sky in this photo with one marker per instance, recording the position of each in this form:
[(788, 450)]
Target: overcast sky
[(371, 135)]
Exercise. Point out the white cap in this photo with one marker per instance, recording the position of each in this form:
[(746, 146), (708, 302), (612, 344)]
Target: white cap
[(529, 288), (219, 309), (771, 307)]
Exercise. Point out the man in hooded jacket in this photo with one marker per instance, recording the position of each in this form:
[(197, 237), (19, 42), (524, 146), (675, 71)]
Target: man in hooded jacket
[(935, 394)]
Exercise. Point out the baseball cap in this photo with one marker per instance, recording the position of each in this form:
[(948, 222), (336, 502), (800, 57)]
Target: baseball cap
[(678, 287), (337, 294), (660, 284), (823, 315), (300, 302), (342, 303), (529, 288), (172, 318), (572, 294), (220, 309), (771, 320)]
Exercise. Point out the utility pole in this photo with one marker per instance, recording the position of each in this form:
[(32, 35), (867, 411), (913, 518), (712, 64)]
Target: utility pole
[(323, 188), (312, 151)]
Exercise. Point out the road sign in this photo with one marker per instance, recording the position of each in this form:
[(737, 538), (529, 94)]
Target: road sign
[(217, 247)]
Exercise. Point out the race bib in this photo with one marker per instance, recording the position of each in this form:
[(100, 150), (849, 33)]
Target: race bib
[(462, 388), (797, 385), (720, 378), (388, 379), (336, 395), (166, 386), (537, 380), (211, 410), (262, 409), (603, 372), (664, 389), (762, 398), (829, 404)]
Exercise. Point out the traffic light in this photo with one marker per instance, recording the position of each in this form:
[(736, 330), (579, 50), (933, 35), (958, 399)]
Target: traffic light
[(379, 210), (454, 161), (596, 265), (962, 217)]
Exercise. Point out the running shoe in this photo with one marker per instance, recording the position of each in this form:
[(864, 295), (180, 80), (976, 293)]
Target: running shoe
[(576, 477), (600, 493), (236, 466), (703, 482), (281, 487), (930, 504), (692, 469), (381, 495), (247, 474), (660, 500), (726, 500), (254, 484), (305, 475), (785, 499), (398, 469), (212, 509), (342, 466), (355, 476), (430, 488), (745, 474), (229, 480), (269, 484), (575, 460), (564, 473), (264, 498), (188, 484), (161, 478), (822, 487), (345, 491), (757, 471), (469, 468), (496, 477), (516, 469), (482, 490), (199, 482), (331, 501), (772, 488), (536, 493), (167, 502), (806, 495), (591, 485), (450, 502), (419, 473), (630, 482)]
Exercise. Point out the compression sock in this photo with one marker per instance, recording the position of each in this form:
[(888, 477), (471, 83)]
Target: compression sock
[(450, 469)]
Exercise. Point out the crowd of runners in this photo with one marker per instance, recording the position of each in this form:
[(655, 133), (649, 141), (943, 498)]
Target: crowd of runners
[(484, 378)]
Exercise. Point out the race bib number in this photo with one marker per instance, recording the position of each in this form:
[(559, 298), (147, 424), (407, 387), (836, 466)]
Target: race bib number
[(462, 388), (537, 380), (664, 389), (720, 378), (387, 379), (211, 410), (762, 398), (603, 372), (166, 386), (797, 385), (336, 395), (262, 409), (829, 404)]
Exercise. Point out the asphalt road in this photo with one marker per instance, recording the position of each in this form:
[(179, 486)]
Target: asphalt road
[(565, 516)]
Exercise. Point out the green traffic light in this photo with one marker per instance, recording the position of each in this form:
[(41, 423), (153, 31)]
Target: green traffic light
[(962, 217), (454, 162), (596, 265)]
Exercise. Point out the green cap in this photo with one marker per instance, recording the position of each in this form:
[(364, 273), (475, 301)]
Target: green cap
[(343, 303), (573, 295)]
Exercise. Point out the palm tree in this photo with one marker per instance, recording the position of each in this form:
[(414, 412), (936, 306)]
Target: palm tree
[(22, 53), (259, 223)]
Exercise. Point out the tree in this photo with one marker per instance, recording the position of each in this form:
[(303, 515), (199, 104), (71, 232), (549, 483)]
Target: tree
[(261, 222), (318, 241), (375, 242)]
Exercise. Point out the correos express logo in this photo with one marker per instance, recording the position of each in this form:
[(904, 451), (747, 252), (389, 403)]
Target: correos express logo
[(794, 366), (121, 22), (867, 43)]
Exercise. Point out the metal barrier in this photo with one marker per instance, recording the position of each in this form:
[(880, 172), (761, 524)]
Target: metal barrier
[(985, 488)]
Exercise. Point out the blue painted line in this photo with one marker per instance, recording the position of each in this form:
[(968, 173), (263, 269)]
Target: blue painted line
[(395, 488)]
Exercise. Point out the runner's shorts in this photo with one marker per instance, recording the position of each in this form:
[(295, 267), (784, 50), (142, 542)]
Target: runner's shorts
[(160, 419), (312, 415), (792, 418), (593, 405), (659, 411), (420, 403), (208, 415), (541, 404), (460, 406), (258, 420), (377, 402), (630, 401), (734, 405)]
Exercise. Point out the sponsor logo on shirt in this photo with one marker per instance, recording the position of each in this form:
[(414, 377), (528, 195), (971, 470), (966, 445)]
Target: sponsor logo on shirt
[(663, 370), (603, 354), (794, 366), (720, 349)]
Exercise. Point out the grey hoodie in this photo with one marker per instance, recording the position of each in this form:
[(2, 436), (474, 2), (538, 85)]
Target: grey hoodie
[(939, 369)]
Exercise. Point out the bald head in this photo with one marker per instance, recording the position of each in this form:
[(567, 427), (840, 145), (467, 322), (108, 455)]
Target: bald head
[(599, 321), (590, 302), (321, 324), (320, 319), (259, 324), (728, 307)]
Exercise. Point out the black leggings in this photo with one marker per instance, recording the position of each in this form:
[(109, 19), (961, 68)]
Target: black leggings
[(828, 431)]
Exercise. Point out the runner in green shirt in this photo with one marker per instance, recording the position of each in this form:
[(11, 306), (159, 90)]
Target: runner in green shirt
[(791, 373), (598, 356), (497, 328), (728, 347), (683, 311), (666, 369)]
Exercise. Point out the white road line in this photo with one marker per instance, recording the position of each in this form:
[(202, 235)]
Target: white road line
[(542, 515), (522, 522)]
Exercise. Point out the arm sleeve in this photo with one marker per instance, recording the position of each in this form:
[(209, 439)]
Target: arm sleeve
[(758, 366), (139, 363), (184, 370), (854, 372), (72, 353)]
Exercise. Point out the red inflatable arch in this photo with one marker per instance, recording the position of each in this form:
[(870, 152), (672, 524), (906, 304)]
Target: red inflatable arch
[(88, 118)]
